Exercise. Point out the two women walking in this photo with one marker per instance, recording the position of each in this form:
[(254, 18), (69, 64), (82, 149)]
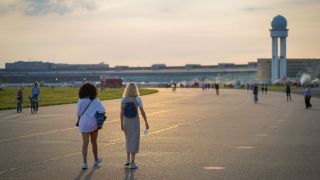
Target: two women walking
[(89, 105)]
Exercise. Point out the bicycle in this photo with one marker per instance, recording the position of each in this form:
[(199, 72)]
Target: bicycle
[(19, 106), (33, 104)]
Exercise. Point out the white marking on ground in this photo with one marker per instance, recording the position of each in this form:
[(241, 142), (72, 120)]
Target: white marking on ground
[(274, 126), (162, 130), (214, 168), (244, 147)]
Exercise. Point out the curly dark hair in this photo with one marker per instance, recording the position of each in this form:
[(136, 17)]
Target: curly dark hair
[(88, 90)]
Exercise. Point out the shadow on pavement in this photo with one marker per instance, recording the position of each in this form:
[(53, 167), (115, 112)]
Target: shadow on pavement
[(129, 174), (88, 176)]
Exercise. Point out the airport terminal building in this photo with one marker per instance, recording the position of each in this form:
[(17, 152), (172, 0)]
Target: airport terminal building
[(295, 68), (28, 72)]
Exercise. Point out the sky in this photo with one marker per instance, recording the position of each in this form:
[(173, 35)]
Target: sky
[(146, 32)]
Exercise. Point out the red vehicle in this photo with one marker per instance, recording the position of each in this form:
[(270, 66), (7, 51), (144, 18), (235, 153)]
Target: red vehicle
[(111, 82)]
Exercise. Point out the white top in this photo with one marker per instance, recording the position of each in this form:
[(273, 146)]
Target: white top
[(88, 122), (138, 99)]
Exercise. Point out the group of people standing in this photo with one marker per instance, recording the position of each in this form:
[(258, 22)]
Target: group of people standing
[(88, 105), (307, 94), (208, 86), (264, 89)]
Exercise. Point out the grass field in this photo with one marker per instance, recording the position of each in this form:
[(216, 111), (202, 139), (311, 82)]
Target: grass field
[(56, 96), (277, 88)]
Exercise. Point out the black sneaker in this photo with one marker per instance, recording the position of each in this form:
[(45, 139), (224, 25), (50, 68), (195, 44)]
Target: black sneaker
[(133, 166), (127, 164)]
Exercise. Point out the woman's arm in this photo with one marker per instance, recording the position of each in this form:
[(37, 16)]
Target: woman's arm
[(121, 116), (144, 116)]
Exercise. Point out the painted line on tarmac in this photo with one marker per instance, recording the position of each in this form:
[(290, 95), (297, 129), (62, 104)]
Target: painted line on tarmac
[(114, 142), (63, 130), (274, 126), (214, 168), (36, 134), (244, 147), (162, 130)]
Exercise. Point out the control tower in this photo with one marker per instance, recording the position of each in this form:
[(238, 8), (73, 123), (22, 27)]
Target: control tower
[(279, 31)]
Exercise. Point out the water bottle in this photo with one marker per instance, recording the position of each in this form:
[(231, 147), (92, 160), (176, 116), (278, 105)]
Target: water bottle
[(146, 132)]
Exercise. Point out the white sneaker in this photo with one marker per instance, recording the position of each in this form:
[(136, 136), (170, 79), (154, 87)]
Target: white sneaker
[(133, 166), (84, 166), (97, 162)]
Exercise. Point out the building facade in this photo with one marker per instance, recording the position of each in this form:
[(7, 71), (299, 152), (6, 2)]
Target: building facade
[(26, 72), (295, 68)]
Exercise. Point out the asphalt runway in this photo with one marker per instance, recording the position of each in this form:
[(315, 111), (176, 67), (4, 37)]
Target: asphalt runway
[(194, 135), (315, 91)]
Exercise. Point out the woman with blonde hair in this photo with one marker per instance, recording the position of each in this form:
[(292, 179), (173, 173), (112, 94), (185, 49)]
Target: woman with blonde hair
[(130, 122)]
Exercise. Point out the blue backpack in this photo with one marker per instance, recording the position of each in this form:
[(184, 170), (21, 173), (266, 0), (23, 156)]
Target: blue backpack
[(130, 110)]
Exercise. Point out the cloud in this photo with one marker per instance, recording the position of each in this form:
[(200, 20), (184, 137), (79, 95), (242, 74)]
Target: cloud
[(302, 2), (252, 8), (165, 10), (44, 7)]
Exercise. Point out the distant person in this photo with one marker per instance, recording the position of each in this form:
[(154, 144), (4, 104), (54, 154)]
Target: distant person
[(88, 106), (265, 89), (262, 89), (35, 94), (307, 97), (255, 93), (288, 92), (19, 100), (130, 122), (217, 88), (174, 87)]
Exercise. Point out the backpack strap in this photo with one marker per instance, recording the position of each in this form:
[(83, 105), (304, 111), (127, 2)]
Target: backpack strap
[(86, 108), (77, 124)]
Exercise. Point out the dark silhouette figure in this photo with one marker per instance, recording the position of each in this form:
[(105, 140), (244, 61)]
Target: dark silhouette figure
[(262, 89), (255, 93), (288, 91), (307, 97), (217, 88)]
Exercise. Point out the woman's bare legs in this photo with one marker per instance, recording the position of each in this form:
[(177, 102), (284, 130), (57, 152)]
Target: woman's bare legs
[(85, 142), (133, 155), (93, 137), (128, 157)]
